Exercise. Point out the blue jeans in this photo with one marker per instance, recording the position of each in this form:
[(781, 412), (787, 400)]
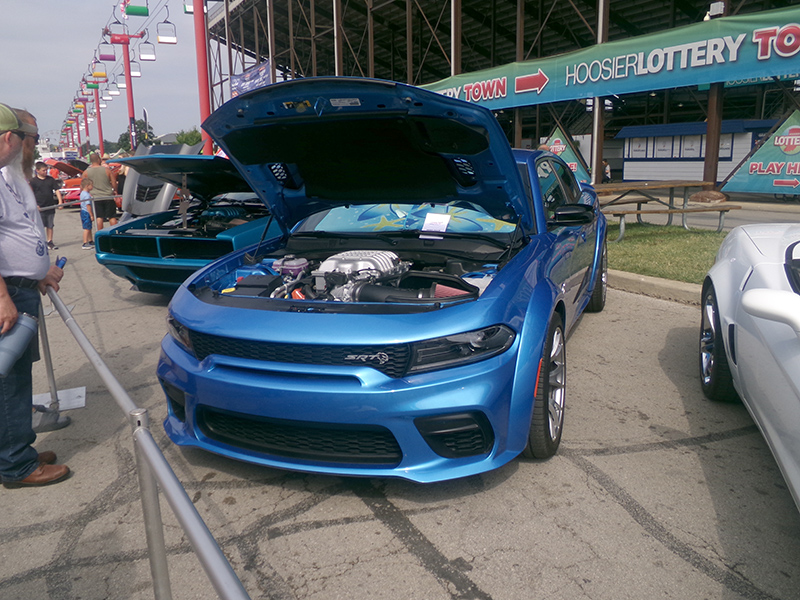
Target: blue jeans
[(18, 459)]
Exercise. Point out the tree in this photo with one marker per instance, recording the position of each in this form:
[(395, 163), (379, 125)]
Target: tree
[(143, 136), (190, 138)]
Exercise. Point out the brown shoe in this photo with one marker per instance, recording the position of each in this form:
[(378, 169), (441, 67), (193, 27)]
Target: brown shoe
[(43, 475), (48, 457)]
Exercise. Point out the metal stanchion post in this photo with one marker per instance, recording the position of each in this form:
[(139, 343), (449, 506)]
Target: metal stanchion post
[(48, 362), (153, 525)]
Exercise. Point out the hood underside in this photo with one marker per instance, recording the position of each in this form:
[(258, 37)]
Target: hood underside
[(204, 176), (312, 144)]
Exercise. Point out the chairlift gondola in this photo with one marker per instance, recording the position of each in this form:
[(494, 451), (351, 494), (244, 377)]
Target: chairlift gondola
[(140, 9), (166, 32)]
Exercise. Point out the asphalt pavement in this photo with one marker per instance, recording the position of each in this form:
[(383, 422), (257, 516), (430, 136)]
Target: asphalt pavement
[(655, 492)]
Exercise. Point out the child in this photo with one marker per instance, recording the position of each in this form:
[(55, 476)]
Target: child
[(86, 213)]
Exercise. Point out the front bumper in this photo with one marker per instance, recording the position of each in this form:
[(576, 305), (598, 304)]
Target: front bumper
[(351, 421)]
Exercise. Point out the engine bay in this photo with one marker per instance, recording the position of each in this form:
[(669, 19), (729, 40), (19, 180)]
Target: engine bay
[(206, 221), (359, 276)]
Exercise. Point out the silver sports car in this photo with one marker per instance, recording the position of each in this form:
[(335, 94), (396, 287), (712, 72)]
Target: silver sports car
[(750, 335)]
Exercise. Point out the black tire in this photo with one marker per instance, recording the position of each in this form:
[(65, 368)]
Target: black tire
[(715, 374), (598, 300), (547, 420)]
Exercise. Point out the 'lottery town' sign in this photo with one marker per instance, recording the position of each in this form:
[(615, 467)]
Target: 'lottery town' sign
[(775, 167), (756, 45)]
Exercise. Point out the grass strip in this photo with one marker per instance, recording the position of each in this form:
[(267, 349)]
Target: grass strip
[(667, 252)]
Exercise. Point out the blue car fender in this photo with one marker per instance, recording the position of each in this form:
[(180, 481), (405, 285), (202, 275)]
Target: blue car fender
[(544, 301)]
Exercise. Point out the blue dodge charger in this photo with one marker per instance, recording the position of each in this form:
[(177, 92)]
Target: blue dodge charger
[(406, 311)]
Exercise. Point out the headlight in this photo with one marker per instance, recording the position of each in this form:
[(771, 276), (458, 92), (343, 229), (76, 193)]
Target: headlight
[(180, 333), (460, 349)]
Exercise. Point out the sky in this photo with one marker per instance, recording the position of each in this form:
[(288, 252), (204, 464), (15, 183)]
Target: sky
[(46, 47)]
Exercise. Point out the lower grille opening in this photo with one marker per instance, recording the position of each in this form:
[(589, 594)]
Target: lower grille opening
[(320, 442), (458, 435)]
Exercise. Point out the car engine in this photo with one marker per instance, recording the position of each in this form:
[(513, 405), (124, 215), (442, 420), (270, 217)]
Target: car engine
[(355, 276)]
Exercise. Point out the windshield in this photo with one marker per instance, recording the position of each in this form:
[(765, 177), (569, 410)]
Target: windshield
[(456, 217)]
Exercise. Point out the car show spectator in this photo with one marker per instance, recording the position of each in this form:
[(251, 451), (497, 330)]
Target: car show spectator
[(606, 171), (86, 213), (25, 268), (104, 182), (47, 193)]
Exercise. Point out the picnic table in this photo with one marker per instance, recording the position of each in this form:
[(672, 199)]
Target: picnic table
[(622, 193)]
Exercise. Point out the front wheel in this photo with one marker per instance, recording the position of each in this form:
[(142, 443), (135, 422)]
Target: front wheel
[(715, 373), (547, 420)]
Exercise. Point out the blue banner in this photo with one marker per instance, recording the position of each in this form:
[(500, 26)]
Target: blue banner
[(253, 78)]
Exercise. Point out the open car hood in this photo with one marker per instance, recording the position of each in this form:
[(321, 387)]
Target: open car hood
[(311, 144), (66, 168), (206, 176)]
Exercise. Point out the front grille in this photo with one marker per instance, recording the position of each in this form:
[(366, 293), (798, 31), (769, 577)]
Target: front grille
[(330, 443), (164, 246), (129, 246), (199, 248), (391, 360)]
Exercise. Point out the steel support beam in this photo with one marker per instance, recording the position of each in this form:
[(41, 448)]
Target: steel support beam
[(271, 39), (409, 42), (519, 52), (599, 105), (455, 37), (338, 35)]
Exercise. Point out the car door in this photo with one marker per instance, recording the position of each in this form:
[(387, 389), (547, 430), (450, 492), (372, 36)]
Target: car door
[(570, 239), (586, 242)]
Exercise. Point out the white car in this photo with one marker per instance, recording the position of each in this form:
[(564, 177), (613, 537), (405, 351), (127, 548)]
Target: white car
[(750, 335)]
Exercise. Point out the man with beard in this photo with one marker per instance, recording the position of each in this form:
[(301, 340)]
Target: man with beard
[(44, 418), (24, 269)]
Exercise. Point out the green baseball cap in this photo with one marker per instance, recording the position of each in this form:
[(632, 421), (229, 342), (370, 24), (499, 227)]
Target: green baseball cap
[(10, 122)]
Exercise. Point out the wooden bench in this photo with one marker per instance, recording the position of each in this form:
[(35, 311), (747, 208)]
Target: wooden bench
[(722, 209)]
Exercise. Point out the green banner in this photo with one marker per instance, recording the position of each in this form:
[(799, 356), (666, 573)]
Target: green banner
[(763, 44), (775, 167), (560, 145)]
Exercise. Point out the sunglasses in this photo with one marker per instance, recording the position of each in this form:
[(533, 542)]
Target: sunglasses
[(22, 135)]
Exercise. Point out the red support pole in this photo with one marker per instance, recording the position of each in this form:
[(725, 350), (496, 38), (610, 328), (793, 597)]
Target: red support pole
[(99, 120), (86, 123), (129, 91), (201, 49), (78, 129)]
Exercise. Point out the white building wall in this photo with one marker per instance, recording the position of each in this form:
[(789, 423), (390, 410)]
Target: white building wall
[(652, 169)]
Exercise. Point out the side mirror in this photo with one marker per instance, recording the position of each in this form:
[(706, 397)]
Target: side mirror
[(573, 214), (776, 305)]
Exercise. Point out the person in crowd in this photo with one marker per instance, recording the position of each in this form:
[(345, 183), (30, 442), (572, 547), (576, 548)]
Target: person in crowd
[(44, 418), (104, 183), (25, 271), (606, 171), (47, 193), (86, 213)]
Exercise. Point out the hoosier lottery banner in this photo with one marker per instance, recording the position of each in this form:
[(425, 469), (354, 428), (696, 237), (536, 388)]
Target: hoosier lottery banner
[(754, 46), (775, 167)]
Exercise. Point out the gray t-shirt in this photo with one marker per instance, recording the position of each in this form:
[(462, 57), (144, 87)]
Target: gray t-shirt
[(101, 181), (23, 248)]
